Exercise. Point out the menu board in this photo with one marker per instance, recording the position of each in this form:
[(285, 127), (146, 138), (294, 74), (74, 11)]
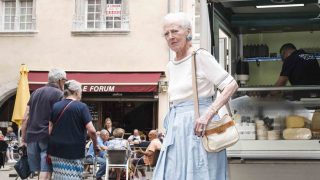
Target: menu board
[(94, 111)]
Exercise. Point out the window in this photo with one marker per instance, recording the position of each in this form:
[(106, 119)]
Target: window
[(17, 15), (101, 15), (113, 15), (94, 14)]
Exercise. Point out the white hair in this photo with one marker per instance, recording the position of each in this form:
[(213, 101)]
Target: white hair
[(71, 87), (55, 75), (178, 18), (104, 132)]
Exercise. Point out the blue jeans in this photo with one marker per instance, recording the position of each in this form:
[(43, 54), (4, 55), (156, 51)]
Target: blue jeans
[(102, 170)]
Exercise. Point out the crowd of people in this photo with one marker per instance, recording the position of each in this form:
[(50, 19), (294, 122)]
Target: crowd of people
[(56, 123), (55, 130), (116, 141)]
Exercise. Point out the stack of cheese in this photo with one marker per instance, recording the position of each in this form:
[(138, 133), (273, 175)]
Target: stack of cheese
[(315, 124), (262, 132), (295, 128)]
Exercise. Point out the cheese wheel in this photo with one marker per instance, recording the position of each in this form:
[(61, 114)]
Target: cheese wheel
[(315, 123), (297, 134), (295, 121)]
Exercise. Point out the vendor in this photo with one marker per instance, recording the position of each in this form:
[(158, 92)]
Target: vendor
[(298, 67)]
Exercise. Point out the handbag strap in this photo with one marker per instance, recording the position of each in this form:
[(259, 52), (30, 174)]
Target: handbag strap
[(195, 88), (60, 114)]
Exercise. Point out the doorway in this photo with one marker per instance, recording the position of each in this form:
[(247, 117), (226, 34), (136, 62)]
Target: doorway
[(224, 50)]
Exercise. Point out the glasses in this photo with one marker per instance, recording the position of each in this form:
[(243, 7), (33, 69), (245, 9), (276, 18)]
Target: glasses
[(173, 32)]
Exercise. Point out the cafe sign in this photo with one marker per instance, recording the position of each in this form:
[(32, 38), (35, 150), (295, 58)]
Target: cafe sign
[(113, 10), (98, 88)]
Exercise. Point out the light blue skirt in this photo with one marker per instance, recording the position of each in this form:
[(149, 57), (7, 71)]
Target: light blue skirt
[(182, 155)]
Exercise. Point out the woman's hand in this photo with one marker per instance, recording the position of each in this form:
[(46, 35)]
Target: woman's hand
[(201, 123), (200, 127)]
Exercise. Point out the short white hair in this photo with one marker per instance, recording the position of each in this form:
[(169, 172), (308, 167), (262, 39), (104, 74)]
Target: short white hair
[(178, 18), (71, 87), (104, 132), (55, 75)]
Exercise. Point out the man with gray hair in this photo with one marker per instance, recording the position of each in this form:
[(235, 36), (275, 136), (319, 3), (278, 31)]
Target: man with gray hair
[(103, 143), (35, 126)]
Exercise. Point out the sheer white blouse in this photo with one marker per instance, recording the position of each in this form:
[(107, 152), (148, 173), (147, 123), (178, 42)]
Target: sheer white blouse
[(209, 75)]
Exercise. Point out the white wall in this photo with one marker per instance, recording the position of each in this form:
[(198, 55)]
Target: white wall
[(142, 49)]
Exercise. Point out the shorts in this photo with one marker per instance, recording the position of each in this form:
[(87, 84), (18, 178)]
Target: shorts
[(37, 156)]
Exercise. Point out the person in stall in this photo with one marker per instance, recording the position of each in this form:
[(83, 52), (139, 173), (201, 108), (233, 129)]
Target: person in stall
[(299, 67)]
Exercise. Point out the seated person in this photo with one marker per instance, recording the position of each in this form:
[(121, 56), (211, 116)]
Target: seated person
[(102, 141), (11, 139), (143, 138), (143, 143), (1, 136), (117, 143), (148, 155), (135, 137)]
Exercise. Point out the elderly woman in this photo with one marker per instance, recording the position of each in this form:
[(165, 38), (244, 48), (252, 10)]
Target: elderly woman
[(70, 120), (117, 143), (182, 156)]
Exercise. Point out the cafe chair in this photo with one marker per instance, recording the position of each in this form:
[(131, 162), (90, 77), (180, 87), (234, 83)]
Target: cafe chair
[(89, 161), (117, 159), (151, 166)]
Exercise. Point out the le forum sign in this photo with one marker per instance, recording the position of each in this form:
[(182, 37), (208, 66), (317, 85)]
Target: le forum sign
[(98, 88), (119, 88)]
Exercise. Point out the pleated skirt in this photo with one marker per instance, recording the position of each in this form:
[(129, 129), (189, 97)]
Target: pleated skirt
[(182, 156)]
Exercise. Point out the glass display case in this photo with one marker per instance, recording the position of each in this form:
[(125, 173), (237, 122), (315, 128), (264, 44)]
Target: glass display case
[(277, 123)]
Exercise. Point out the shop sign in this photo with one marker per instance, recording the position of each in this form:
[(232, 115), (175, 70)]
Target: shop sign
[(113, 10), (98, 88)]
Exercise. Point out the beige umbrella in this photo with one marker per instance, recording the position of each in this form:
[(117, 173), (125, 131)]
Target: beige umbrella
[(22, 96)]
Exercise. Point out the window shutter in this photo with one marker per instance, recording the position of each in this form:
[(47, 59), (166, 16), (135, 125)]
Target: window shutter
[(125, 15), (34, 16)]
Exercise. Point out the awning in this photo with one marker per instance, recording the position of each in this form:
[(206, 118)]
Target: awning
[(104, 81)]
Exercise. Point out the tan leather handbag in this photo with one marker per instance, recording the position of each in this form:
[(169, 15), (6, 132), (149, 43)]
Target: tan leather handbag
[(219, 134)]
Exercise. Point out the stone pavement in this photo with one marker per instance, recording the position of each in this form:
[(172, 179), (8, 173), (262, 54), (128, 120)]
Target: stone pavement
[(6, 171)]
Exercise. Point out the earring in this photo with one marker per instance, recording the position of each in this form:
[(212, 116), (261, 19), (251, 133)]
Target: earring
[(189, 37)]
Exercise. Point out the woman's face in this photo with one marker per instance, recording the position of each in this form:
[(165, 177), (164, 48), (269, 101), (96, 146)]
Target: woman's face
[(108, 124), (175, 36)]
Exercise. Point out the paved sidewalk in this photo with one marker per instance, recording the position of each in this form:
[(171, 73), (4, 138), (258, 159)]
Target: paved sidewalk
[(6, 171), (9, 170)]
